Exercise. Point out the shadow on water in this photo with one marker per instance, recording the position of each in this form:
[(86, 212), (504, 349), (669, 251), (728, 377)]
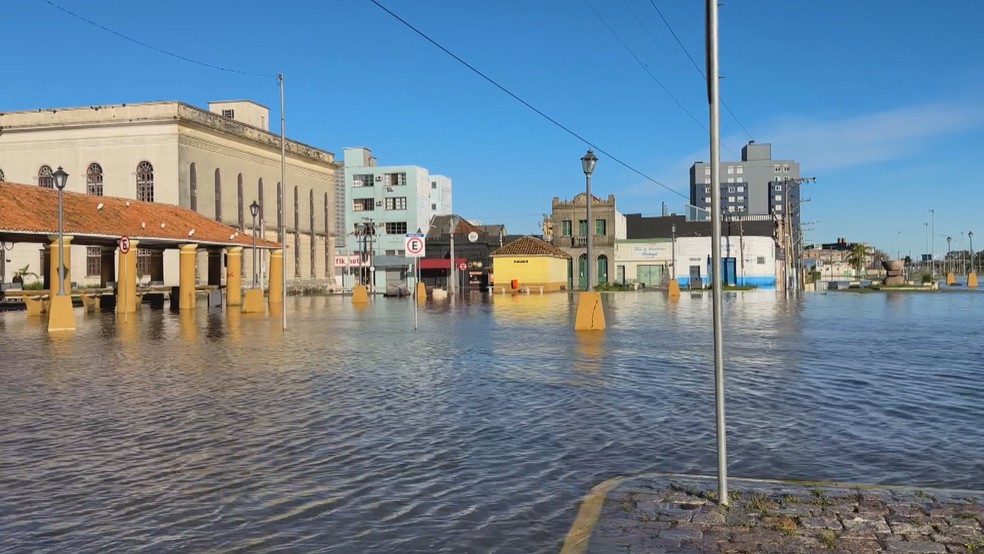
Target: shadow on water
[(479, 431)]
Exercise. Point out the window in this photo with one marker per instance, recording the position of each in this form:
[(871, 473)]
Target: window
[(434, 207), (239, 202), (731, 199), (731, 189), (776, 168), (707, 171), (741, 188), (193, 187), (731, 179), (778, 208), (760, 260), (582, 227), (741, 208), (731, 170), (707, 180), (145, 184), (362, 205), (94, 184), (396, 227), (785, 168), (433, 184), (231, 114), (777, 188), (778, 198), (395, 179), (731, 208), (707, 199), (740, 169), (707, 189), (93, 261), (259, 196), (600, 227), (362, 180), (565, 228), (218, 195), (143, 261), (396, 203), (46, 177)]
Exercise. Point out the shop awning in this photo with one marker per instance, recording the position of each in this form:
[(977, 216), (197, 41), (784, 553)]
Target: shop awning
[(438, 263)]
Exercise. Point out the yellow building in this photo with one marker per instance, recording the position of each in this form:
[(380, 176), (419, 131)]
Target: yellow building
[(530, 262)]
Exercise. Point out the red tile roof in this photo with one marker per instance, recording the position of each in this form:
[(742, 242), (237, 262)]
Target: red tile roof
[(530, 246), (29, 213)]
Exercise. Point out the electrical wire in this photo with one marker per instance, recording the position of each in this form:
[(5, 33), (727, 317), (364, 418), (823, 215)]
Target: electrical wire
[(524, 102), (697, 67), (154, 48)]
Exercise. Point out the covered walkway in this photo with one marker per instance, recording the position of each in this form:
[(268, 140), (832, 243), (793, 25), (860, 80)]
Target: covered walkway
[(29, 214)]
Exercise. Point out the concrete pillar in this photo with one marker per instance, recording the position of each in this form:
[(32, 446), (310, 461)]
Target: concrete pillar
[(276, 288), (234, 285), (186, 277), (61, 316), (53, 259), (673, 290), (972, 280), (126, 280), (360, 295), (215, 267), (590, 315), (157, 265)]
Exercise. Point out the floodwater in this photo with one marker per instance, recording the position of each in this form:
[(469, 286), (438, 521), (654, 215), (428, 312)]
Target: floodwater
[(478, 432)]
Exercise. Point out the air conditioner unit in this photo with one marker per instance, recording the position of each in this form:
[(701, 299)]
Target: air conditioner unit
[(379, 202), (379, 178)]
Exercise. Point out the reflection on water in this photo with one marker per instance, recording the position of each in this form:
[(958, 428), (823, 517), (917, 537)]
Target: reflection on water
[(478, 432)]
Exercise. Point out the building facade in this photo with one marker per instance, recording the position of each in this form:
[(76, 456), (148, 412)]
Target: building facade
[(756, 185), (215, 162), (568, 228)]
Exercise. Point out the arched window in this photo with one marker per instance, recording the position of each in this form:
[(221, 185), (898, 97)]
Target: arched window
[(280, 214), (94, 183), (193, 188), (239, 201), (314, 242), (327, 253), (297, 234), (145, 182), (218, 195), (46, 177), (259, 196)]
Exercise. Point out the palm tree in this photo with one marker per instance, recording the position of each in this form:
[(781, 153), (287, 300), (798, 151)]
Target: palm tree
[(856, 256)]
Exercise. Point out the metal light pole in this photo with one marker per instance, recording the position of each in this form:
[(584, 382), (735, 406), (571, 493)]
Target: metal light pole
[(452, 273), (673, 249), (932, 253), (61, 178), (970, 235), (254, 210), (898, 253), (588, 162), (947, 259)]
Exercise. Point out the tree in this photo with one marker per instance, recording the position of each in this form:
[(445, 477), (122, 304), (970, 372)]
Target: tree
[(856, 256)]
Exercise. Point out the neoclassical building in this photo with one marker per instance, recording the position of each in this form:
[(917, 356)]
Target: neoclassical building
[(567, 228), (216, 162)]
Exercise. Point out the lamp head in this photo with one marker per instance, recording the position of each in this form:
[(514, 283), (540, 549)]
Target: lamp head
[(588, 162), (254, 208), (61, 178)]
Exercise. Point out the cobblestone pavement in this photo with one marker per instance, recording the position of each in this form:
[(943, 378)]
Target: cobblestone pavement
[(670, 514)]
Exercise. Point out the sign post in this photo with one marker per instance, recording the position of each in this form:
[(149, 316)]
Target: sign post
[(414, 246)]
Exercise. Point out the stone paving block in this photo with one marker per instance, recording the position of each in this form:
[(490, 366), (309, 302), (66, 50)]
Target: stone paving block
[(859, 546), (828, 522), (908, 528), (914, 547), (906, 509), (708, 518), (872, 507), (963, 522), (681, 533), (864, 525)]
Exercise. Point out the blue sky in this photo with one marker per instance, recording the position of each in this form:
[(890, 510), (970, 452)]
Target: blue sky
[(879, 100)]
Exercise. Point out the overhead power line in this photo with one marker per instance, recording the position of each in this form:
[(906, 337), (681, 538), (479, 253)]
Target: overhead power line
[(154, 48), (697, 67), (516, 97)]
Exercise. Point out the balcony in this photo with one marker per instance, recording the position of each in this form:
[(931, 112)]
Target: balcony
[(579, 242)]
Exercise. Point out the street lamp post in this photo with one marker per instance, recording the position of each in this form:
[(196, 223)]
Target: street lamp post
[(970, 235), (452, 268), (254, 210), (61, 178), (947, 260), (673, 250), (588, 162), (898, 252), (932, 230)]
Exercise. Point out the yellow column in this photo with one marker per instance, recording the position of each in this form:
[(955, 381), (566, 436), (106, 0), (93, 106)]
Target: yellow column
[(126, 280), (421, 292), (360, 295), (950, 279), (673, 290), (234, 285), (61, 316), (276, 289), (972, 279), (53, 258), (186, 277)]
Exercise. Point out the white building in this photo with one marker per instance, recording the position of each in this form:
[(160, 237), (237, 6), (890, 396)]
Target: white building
[(216, 162), (747, 260)]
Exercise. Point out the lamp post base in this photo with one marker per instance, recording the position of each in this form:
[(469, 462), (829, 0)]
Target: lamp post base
[(360, 295), (590, 315), (673, 290), (61, 315), (253, 301), (972, 280)]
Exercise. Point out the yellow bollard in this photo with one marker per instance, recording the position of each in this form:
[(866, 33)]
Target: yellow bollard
[(950, 279), (234, 283), (673, 290), (360, 295), (421, 292), (972, 279), (590, 315)]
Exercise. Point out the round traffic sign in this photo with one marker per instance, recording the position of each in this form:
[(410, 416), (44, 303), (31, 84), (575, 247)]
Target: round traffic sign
[(462, 266), (124, 243), (415, 245)]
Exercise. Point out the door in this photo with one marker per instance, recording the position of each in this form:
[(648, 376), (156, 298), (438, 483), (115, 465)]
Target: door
[(582, 266), (620, 273), (649, 275), (602, 269)]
